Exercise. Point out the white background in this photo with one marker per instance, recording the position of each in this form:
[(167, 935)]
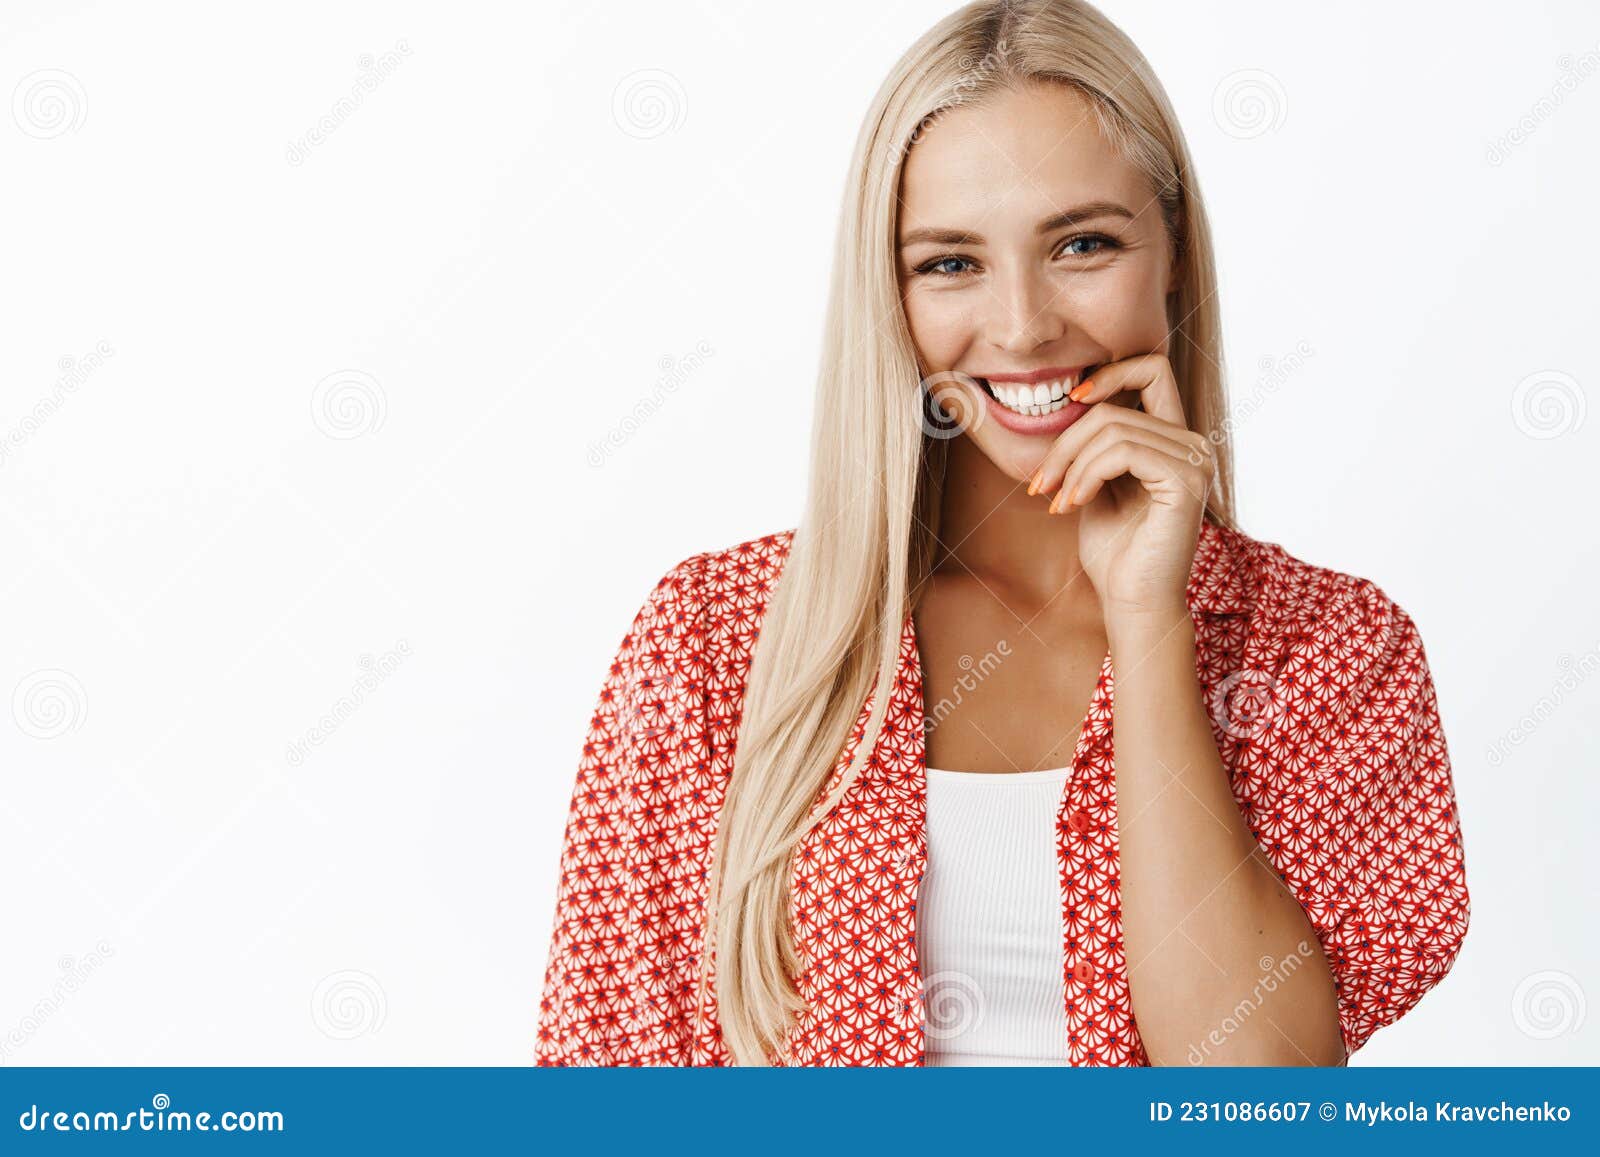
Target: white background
[(320, 407)]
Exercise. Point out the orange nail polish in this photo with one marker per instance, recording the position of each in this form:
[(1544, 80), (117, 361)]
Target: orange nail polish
[(1079, 391), (1033, 483)]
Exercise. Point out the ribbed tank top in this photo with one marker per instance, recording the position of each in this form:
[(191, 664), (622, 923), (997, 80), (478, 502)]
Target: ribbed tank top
[(989, 932)]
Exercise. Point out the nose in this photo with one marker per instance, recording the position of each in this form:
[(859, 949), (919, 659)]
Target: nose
[(1024, 313)]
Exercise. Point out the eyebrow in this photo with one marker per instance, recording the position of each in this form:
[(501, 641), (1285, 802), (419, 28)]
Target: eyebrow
[(1074, 216)]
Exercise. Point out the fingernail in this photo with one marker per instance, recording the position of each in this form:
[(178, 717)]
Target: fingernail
[(1079, 391), (1033, 483)]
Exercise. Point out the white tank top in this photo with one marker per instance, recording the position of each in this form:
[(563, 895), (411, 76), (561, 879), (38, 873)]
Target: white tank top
[(989, 932)]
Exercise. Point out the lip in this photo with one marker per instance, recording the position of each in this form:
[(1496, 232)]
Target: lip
[(1034, 377), (1036, 424)]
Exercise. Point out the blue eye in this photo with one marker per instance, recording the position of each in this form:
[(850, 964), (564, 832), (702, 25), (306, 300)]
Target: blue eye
[(933, 266), (1100, 243), (1103, 242)]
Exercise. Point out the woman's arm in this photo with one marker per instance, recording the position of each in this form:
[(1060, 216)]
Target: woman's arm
[(601, 939), (1222, 956), (1223, 963)]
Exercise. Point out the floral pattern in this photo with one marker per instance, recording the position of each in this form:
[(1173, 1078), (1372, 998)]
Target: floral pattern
[(1324, 714)]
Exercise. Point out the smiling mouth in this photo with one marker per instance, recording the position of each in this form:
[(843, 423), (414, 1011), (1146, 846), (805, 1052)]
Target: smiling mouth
[(1034, 400)]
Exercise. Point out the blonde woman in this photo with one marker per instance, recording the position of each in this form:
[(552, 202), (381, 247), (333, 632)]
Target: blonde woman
[(1016, 750)]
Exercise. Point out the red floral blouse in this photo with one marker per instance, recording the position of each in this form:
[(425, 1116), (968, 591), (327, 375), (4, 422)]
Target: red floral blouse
[(1337, 761)]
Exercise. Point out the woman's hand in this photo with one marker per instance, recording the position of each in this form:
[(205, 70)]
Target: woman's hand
[(1139, 480)]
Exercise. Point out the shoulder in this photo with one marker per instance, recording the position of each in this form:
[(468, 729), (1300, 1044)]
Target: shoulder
[(1294, 599), (723, 591), (744, 570)]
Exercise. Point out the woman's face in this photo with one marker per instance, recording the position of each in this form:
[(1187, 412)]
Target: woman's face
[(1026, 245)]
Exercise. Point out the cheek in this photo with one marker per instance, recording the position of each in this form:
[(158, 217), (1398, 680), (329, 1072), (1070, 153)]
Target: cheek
[(941, 328), (1121, 309)]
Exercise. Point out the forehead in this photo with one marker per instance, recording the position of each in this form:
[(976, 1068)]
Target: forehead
[(1014, 155)]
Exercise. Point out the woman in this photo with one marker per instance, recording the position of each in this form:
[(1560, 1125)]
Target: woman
[(1039, 758)]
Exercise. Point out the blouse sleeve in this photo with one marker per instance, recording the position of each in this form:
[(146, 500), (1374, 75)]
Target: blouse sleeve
[(587, 1004), (1357, 748)]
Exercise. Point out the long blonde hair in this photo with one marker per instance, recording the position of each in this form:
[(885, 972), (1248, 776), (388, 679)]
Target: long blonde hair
[(865, 541)]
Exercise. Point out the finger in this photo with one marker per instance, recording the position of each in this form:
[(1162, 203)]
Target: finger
[(1162, 475), (1148, 375), (1109, 436), (1072, 442)]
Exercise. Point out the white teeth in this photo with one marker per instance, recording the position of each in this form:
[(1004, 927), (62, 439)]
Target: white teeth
[(1043, 398)]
